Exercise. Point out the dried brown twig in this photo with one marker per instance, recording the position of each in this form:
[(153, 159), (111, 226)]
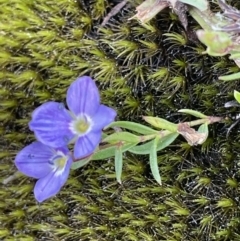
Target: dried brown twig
[(113, 12)]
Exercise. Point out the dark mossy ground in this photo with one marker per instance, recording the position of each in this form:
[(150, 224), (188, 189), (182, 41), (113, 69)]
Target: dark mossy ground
[(44, 46)]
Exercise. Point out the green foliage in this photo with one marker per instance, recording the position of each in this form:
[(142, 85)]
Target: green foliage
[(153, 160), (237, 96), (118, 163), (176, 39), (136, 127), (193, 113), (163, 143), (160, 123)]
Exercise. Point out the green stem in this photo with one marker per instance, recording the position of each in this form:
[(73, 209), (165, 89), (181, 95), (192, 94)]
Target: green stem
[(200, 17), (147, 137), (209, 120), (207, 19), (160, 134)]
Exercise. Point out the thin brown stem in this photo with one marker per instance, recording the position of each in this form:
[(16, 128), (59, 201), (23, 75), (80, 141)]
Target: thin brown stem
[(113, 12)]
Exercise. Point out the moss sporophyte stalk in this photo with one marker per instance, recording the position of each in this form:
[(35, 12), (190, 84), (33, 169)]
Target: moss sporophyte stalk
[(157, 157)]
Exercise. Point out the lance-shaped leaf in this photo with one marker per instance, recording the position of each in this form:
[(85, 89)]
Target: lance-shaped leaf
[(193, 113), (237, 96), (203, 129), (133, 126), (81, 163), (161, 123), (218, 43), (118, 163), (202, 5), (192, 136), (230, 77), (122, 136), (109, 151), (154, 162), (162, 143)]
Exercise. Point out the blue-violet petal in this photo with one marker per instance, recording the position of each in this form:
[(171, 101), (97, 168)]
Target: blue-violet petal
[(50, 123), (103, 117), (33, 160), (51, 184), (86, 144), (83, 96)]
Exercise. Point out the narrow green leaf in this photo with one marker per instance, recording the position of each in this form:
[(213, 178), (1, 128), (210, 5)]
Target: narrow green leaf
[(122, 136), (237, 96), (110, 151), (204, 130), (166, 141), (154, 162), (81, 163), (161, 123), (163, 142), (202, 5), (145, 130), (141, 149), (118, 164), (104, 135), (193, 113), (230, 77)]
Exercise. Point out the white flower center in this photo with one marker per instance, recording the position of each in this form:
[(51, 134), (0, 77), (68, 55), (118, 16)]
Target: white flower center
[(81, 125), (59, 162)]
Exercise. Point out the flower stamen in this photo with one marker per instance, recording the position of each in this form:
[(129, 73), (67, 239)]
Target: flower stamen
[(81, 125)]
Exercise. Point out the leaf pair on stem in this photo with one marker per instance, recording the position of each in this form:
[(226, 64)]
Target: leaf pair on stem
[(143, 140)]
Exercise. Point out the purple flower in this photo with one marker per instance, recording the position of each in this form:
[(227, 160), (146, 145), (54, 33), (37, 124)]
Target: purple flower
[(50, 165), (56, 126)]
